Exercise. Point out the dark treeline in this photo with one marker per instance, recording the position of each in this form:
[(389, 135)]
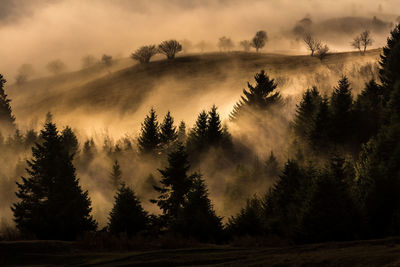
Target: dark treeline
[(340, 182)]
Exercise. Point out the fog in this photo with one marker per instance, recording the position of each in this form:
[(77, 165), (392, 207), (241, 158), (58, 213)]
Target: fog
[(39, 31)]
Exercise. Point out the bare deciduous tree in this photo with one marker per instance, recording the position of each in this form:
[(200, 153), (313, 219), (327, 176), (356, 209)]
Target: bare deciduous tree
[(259, 40), (246, 44), (322, 51), (24, 72), (362, 41), (225, 43), (56, 66), (88, 61), (144, 53), (170, 48), (312, 44)]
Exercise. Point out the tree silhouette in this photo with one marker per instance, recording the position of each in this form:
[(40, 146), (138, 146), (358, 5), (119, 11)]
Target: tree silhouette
[(149, 138), (225, 43), (7, 120), (312, 44), (168, 134), (70, 141), (144, 53), (116, 175), (246, 45), (259, 40), (56, 66), (182, 133), (127, 215), (258, 98), (51, 202), (197, 139), (362, 41), (170, 48)]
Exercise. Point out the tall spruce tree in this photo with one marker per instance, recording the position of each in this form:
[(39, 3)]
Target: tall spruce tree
[(149, 138), (197, 217), (127, 216), (182, 133), (175, 182), (258, 98), (306, 111), (52, 205), (168, 133), (319, 137), (197, 139), (389, 72), (70, 141), (341, 104), (7, 120), (116, 175)]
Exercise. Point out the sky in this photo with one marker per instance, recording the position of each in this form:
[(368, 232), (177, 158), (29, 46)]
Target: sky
[(38, 31)]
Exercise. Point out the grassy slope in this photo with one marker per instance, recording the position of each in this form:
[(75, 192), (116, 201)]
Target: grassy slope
[(126, 88), (357, 253)]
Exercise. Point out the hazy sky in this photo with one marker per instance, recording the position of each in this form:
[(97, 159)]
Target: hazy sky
[(36, 31)]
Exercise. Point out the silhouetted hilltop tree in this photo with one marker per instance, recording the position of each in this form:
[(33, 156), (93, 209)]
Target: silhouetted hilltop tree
[(144, 53), (259, 40), (175, 184), (149, 138), (341, 105), (258, 98), (116, 175), (70, 141), (322, 51), (312, 44), (107, 60), (246, 45), (127, 215), (25, 71), (52, 205), (168, 134), (56, 66), (333, 214), (7, 120), (389, 72), (197, 217), (170, 48), (182, 133), (306, 111), (369, 111), (225, 44), (362, 41)]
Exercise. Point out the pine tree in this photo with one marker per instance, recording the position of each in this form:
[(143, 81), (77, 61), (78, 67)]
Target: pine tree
[(31, 137), (197, 217), (197, 139), (51, 203), (70, 141), (149, 138), (333, 214), (89, 150), (319, 137), (127, 215), (389, 72), (214, 128), (258, 98), (7, 120), (168, 134), (175, 184), (182, 133), (116, 175), (341, 105), (305, 112)]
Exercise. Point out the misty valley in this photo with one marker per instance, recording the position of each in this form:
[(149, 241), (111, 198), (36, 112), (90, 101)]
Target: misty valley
[(205, 151)]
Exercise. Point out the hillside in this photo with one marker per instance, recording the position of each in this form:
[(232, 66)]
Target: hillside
[(183, 85)]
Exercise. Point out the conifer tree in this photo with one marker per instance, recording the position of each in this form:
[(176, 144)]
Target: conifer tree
[(305, 112), (89, 150), (175, 182), (214, 127), (149, 138), (271, 166), (116, 175), (258, 98), (320, 129), (168, 134), (389, 72), (7, 120), (182, 133), (31, 137), (127, 215), (70, 141), (341, 104), (52, 205), (197, 217), (197, 139)]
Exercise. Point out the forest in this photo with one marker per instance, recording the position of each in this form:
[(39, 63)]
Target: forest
[(340, 180)]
